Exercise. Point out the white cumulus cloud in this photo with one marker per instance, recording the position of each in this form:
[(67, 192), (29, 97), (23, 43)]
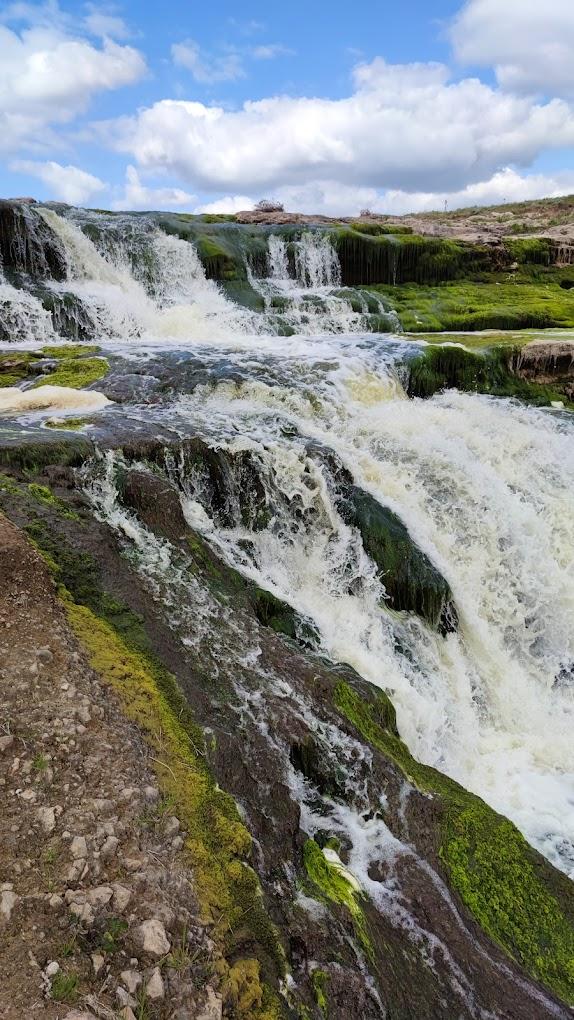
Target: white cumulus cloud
[(529, 43), (49, 77), (403, 127), (68, 183), (137, 195)]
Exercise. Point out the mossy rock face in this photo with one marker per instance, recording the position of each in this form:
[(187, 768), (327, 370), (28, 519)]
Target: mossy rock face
[(16, 367), (76, 372), (515, 895), (412, 583), (439, 368), (367, 260)]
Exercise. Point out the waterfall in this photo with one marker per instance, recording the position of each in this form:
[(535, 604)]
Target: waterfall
[(166, 297), (302, 291), (23, 319), (485, 487)]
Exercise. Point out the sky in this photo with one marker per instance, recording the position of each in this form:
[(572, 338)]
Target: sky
[(327, 108)]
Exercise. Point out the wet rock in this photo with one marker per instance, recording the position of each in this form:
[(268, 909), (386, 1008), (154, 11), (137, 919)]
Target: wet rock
[(412, 582)]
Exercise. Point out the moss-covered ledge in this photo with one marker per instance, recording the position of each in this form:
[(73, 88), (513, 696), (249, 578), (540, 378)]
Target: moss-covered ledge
[(489, 371), (518, 899)]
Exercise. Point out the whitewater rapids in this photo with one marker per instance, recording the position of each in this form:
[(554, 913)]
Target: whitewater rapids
[(485, 487)]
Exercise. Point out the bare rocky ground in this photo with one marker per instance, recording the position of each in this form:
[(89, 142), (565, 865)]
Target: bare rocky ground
[(97, 911), (552, 218)]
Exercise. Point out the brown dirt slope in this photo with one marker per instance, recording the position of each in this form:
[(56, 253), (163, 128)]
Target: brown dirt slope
[(97, 910)]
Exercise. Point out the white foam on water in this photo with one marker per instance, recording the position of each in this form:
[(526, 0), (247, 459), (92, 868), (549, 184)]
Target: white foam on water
[(486, 489), (50, 398)]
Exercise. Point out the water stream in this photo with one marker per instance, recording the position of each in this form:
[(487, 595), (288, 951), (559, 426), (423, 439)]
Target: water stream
[(484, 486)]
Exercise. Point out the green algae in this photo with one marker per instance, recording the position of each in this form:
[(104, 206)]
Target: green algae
[(17, 366), (497, 302), (70, 350), (76, 372), (368, 260), (42, 494), (517, 898), (320, 981), (488, 371), (68, 424), (335, 887)]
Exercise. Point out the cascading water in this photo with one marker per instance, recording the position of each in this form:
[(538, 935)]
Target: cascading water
[(485, 488), (170, 299), (302, 291)]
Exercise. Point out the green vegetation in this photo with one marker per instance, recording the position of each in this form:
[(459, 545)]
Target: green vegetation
[(113, 935), (379, 229), (443, 367), (16, 367), (496, 302), (68, 424), (369, 260), (518, 899), (44, 495), (76, 372), (64, 987), (334, 886), (70, 350), (320, 981)]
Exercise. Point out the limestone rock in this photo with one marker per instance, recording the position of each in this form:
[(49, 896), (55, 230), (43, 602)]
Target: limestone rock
[(152, 938)]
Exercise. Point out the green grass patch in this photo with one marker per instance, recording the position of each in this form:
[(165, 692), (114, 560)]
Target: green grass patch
[(65, 987)]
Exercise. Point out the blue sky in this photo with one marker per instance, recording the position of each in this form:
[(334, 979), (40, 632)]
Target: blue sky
[(395, 107)]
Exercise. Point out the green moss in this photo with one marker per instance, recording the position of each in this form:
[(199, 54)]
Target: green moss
[(518, 899), (335, 887), (533, 250), (497, 301), (411, 581), (68, 424), (442, 367), (70, 351), (17, 366), (367, 260), (8, 485), (34, 455), (379, 229), (320, 981), (44, 495), (76, 372)]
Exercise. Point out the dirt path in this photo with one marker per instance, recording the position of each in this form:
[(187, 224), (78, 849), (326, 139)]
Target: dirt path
[(97, 910)]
